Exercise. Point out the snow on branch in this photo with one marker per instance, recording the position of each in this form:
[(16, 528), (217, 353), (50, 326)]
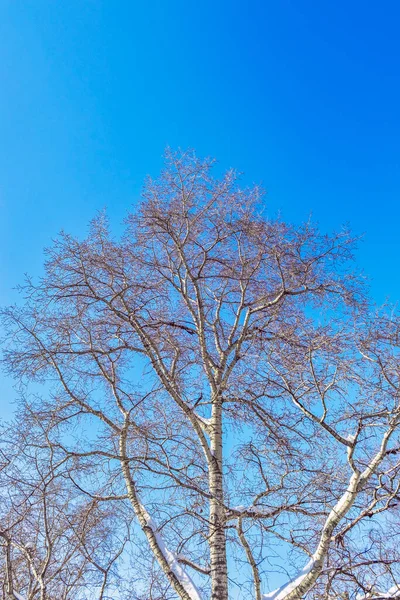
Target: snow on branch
[(286, 588), (257, 511), (394, 592), (172, 560)]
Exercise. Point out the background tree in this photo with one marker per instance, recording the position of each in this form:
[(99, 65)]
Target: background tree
[(236, 391), (56, 544)]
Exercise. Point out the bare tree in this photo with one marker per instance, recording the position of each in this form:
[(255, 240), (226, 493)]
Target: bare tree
[(56, 544), (238, 393)]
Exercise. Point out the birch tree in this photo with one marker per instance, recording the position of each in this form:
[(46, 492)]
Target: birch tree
[(242, 396), (55, 543)]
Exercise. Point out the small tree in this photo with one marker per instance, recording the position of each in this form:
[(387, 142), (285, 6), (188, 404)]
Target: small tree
[(56, 544), (246, 404)]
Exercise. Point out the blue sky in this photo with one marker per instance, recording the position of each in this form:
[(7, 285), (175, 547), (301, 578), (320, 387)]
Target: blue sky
[(301, 96)]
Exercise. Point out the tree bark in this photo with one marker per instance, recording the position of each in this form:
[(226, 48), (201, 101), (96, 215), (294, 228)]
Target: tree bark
[(146, 528), (218, 559)]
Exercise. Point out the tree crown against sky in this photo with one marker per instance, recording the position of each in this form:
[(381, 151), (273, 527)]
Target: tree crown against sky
[(221, 376)]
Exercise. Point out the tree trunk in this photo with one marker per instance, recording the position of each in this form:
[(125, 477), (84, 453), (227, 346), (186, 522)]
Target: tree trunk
[(144, 524), (219, 569)]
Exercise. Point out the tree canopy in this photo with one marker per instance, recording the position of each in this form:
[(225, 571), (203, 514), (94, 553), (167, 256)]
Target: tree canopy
[(219, 395)]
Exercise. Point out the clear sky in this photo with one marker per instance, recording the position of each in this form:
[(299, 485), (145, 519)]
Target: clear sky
[(302, 96)]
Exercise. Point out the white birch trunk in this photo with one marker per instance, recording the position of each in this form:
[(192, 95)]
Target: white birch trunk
[(341, 508), (146, 526), (218, 559)]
